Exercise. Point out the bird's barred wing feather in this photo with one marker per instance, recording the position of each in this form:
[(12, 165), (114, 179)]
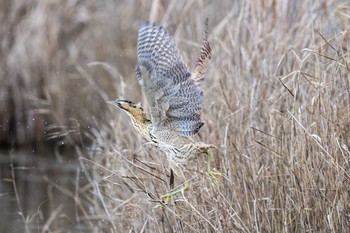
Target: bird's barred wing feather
[(174, 98), (204, 56)]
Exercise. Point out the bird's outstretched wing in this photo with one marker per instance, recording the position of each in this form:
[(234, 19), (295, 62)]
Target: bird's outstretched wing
[(201, 63), (174, 98)]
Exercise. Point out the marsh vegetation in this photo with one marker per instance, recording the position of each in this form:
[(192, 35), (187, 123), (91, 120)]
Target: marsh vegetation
[(276, 105)]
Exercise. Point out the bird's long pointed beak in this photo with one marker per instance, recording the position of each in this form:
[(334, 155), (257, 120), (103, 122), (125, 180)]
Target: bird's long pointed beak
[(110, 102), (115, 103)]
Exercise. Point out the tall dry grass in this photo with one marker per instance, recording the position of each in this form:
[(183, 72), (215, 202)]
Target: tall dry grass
[(276, 106)]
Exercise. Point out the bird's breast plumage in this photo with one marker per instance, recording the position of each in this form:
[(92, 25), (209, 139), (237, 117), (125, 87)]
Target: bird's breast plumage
[(177, 148)]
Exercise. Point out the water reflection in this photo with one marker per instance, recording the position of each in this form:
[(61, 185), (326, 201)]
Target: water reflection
[(39, 192)]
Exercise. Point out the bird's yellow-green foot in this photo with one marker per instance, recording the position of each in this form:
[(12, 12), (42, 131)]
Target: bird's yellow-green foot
[(213, 175), (164, 200), (205, 148)]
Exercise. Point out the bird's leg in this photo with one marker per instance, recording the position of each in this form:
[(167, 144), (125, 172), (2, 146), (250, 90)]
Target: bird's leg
[(166, 198), (174, 170), (213, 175)]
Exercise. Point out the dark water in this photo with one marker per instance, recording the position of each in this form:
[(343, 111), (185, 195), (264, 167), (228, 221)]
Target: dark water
[(38, 192)]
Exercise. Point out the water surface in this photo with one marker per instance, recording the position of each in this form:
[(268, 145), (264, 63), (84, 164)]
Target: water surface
[(39, 191)]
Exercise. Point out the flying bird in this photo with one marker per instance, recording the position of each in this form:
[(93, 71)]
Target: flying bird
[(174, 95)]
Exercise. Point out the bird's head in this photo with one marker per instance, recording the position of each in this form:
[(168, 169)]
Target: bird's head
[(135, 111), (137, 115)]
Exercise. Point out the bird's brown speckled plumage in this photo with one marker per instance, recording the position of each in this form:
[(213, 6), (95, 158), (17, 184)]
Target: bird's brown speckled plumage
[(173, 93)]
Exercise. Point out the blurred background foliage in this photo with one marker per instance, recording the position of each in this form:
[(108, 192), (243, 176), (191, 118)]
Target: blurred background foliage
[(48, 90)]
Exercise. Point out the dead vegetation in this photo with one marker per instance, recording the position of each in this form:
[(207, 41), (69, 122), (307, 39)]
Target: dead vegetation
[(277, 106)]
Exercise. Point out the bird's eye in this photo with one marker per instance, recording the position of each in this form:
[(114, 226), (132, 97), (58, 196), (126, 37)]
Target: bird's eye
[(138, 106)]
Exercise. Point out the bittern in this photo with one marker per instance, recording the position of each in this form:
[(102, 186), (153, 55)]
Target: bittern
[(174, 95)]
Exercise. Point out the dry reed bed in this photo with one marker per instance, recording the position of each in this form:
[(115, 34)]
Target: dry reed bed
[(276, 106)]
